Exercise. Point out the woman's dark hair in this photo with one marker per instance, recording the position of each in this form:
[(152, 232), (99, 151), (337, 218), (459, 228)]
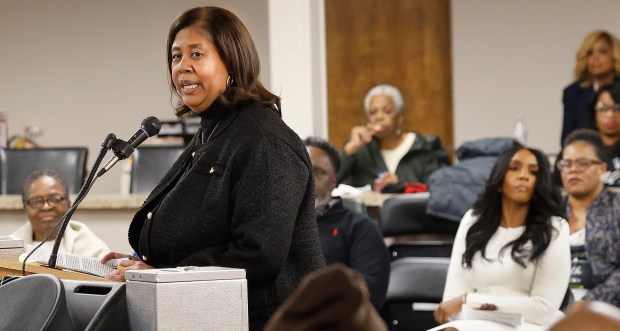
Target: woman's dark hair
[(545, 203), (587, 136), (43, 173), (236, 49), (613, 90)]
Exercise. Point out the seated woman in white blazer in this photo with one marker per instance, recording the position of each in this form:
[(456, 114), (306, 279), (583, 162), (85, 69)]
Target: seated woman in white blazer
[(511, 252)]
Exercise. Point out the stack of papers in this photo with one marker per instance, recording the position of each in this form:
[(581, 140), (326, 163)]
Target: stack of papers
[(11, 248)]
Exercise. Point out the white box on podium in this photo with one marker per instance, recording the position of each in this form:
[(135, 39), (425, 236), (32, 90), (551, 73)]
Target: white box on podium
[(187, 298)]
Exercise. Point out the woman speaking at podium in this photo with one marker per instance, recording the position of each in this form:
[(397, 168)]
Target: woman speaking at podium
[(241, 195)]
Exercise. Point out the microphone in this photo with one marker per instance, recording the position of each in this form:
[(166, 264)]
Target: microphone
[(122, 150)]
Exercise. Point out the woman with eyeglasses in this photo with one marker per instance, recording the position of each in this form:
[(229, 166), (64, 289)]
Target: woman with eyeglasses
[(605, 117), (45, 201), (511, 251), (593, 213)]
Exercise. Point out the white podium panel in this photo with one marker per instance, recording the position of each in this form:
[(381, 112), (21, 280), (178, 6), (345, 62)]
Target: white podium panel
[(187, 298)]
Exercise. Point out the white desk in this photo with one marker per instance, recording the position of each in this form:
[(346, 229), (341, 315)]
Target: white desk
[(370, 199)]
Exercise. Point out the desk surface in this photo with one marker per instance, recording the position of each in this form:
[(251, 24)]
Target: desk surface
[(92, 202), (369, 199), (11, 268)]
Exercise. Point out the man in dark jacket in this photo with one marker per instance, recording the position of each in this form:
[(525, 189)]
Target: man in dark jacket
[(346, 236)]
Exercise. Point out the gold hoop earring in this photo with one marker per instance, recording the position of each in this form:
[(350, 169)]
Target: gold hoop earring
[(229, 81)]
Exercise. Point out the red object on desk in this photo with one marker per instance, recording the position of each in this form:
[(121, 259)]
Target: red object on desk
[(415, 187)]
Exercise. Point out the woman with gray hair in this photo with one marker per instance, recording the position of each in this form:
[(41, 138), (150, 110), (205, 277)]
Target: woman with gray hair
[(379, 153)]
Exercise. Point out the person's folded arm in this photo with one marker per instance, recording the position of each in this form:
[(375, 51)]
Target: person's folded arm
[(549, 285), (607, 291)]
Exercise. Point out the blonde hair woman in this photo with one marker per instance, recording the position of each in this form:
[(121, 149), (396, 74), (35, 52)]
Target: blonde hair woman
[(597, 64)]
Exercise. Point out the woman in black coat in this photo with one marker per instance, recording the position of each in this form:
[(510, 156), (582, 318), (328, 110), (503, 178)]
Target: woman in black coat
[(598, 64), (241, 195)]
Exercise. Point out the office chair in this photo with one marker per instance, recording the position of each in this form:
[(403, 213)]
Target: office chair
[(414, 291), (150, 164), (34, 302), (17, 164), (97, 306), (405, 215)]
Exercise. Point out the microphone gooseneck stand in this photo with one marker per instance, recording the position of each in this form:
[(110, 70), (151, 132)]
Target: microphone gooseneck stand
[(122, 149), (110, 142)]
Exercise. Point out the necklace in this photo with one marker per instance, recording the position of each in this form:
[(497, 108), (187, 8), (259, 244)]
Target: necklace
[(210, 134)]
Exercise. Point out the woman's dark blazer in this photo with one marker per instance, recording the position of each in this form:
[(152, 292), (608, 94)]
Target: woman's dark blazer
[(576, 100), (246, 201)]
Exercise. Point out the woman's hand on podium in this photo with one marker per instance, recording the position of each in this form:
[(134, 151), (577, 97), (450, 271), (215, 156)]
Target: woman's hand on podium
[(132, 263)]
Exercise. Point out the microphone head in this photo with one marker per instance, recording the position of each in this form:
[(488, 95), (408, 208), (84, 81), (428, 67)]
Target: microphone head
[(151, 125)]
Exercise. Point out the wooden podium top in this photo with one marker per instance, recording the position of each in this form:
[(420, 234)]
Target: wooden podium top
[(11, 268)]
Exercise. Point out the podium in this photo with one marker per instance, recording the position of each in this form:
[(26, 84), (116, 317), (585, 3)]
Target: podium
[(187, 298), (12, 268)]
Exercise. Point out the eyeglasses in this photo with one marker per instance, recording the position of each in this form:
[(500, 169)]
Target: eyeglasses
[(603, 108), (580, 164), (52, 200)]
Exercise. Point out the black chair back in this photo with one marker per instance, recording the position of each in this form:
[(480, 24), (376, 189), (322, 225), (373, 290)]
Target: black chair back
[(17, 164), (97, 306), (416, 287), (150, 164), (35, 302), (405, 215)]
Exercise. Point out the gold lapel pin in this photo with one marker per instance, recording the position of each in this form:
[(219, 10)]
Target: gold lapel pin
[(212, 170)]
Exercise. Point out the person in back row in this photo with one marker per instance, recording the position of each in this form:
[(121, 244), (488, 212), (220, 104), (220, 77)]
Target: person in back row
[(379, 153), (598, 64), (46, 200), (605, 117), (593, 213), (346, 236)]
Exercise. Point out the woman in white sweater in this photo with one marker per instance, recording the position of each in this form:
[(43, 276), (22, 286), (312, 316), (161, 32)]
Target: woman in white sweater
[(511, 252), (45, 201)]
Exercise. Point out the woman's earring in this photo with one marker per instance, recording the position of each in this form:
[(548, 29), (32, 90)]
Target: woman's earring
[(229, 81)]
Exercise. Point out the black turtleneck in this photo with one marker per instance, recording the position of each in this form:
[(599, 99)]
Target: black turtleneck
[(210, 117)]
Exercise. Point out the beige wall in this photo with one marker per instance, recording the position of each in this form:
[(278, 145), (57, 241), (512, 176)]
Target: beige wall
[(82, 69), (513, 58)]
